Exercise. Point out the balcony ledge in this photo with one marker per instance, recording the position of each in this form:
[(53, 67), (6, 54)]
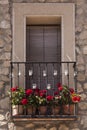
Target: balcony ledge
[(41, 118)]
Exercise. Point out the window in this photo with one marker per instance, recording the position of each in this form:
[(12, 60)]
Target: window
[(52, 41), (43, 45)]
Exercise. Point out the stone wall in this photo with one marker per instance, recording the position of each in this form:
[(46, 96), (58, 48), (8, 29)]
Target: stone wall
[(5, 58)]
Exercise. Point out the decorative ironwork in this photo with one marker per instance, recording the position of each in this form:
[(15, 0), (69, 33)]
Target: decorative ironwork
[(45, 79)]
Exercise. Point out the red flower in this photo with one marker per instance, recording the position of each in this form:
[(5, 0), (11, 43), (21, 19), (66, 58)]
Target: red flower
[(56, 93), (43, 91), (59, 85), (71, 90), (78, 98), (41, 94), (49, 98), (24, 101), (29, 91), (14, 89), (74, 99), (60, 88), (37, 90)]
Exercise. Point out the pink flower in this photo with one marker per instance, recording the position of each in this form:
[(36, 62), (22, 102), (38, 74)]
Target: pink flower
[(24, 101), (29, 91)]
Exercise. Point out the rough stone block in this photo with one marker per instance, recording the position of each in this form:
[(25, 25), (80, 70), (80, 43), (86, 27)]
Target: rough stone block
[(79, 88), (81, 77), (63, 127), (83, 105), (85, 50), (5, 24), (2, 43), (4, 1), (53, 128), (85, 86)]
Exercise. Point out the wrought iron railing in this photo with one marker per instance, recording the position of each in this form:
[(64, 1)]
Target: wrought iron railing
[(44, 75)]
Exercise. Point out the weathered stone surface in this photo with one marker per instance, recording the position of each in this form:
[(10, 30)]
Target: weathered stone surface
[(7, 48), (2, 43), (85, 26), (4, 103), (30, 126), (63, 127), (5, 78), (83, 96), (79, 88), (84, 121), (41, 0), (79, 11), (5, 56), (11, 126), (19, 128), (53, 0), (76, 129), (8, 39), (80, 59), (83, 35), (78, 50), (1, 84), (4, 71), (81, 77), (53, 128), (85, 50), (81, 67), (4, 24), (1, 117), (6, 64), (4, 2), (85, 86), (83, 105), (41, 128)]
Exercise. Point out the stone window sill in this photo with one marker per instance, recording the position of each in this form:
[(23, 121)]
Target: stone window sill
[(27, 118)]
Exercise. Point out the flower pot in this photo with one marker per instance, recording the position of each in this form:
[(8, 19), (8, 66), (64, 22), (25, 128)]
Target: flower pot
[(15, 110), (20, 109), (31, 110), (68, 109), (55, 110), (42, 110)]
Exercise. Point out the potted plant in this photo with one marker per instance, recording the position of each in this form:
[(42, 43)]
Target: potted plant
[(68, 97), (16, 95), (32, 101), (56, 103), (42, 102)]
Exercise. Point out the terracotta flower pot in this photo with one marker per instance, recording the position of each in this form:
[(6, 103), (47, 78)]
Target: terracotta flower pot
[(68, 109), (17, 109), (20, 109), (55, 110), (43, 110), (31, 110)]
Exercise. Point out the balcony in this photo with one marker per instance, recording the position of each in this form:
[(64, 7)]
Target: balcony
[(44, 76)]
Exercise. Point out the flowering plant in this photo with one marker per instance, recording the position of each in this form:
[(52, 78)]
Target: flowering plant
[(16, 94), (31, 97), (66, 95), (41, 97)]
